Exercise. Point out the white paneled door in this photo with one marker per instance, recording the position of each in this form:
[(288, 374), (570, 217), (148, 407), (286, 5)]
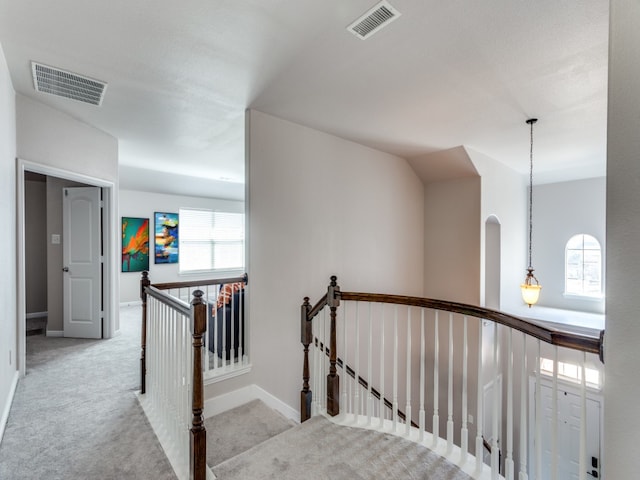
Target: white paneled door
[(568, 431), (82, 272)]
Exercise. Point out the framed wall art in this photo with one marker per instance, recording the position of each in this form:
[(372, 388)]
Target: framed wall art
[(135, 244), (166, 237)]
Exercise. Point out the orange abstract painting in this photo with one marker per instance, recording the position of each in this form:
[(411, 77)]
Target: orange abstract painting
[(135, 244)]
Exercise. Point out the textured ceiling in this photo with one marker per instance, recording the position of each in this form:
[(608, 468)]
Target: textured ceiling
[(181, 74)]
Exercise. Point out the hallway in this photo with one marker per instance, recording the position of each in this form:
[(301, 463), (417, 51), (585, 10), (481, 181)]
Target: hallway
[(75, 414)]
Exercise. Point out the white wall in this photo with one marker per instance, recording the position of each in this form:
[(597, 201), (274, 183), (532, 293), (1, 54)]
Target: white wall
[(8, 338), (452, 240), (50, 137), (319, 205), (144, 205), (562, 210), (503, 196), (57, 141), (622, 355)]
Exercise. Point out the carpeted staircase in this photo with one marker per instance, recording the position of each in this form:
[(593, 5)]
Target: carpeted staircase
[(255, 442), (235, 431)]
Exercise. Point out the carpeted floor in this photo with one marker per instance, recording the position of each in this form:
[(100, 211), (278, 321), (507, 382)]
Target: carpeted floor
[(237, 430), (75, 415), (320, 449)]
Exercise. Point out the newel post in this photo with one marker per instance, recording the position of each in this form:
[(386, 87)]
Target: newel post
[(144, 283), (306, 338), (198, 437), (333, 385)]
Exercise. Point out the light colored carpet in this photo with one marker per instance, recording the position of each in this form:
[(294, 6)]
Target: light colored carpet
[(320, 449), (237, 430), (75, 415)]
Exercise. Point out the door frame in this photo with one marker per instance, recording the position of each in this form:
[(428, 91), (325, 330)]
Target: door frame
[(109, 235)]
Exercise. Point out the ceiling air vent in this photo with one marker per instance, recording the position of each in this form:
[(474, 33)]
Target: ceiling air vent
[(379, 16), (66, 84)]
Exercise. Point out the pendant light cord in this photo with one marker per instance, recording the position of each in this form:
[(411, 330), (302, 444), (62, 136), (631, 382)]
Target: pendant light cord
[(531, 121)]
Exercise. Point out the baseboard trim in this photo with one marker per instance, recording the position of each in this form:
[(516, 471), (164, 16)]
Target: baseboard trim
[(36, 315), (135, 303), (55, 333), (8, 403), (222, 403), (277, 404)]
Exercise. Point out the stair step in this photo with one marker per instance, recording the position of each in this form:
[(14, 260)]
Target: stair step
[(320, 449), (237, 430)]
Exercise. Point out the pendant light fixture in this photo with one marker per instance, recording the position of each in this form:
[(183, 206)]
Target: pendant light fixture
[(530, 290)]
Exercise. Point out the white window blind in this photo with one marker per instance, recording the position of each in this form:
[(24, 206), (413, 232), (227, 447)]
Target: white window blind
[(211, 240)]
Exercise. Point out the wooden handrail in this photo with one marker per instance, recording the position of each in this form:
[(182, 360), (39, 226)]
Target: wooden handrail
[(317, 308), (201, 283), (560, 338), (180, 305), (334, 295)]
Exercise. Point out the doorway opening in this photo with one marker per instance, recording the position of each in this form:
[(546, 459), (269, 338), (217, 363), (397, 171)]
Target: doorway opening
[(108, 253)]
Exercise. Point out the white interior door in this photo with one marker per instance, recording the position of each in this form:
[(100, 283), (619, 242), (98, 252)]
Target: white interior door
[(82, 276), (568, 430)]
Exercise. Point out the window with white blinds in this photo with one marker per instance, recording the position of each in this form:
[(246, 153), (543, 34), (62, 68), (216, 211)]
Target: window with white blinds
[(211, 240)]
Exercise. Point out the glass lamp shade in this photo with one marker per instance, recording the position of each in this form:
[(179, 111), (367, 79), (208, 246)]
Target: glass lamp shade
[(530, 290), (530, 293)]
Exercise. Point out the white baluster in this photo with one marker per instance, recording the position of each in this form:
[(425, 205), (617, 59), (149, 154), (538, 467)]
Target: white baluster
[(370, 369), (509, 459), (436, 361), (538, 418), (524, 393), (356, 384), (464, 432), (220, 334), (381, 408), (323, 384), (421, 420), (583, 419), (450, 389), (232, 329), (496, 399), (315, 375), (395, 370), (479, 415), (554, 416), (408, 407), (344, 379), (320, 360), (224, 338)]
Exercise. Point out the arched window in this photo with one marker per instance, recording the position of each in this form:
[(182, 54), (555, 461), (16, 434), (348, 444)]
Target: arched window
[(583, 266)]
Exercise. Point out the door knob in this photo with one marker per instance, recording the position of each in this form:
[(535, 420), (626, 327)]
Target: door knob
[(65, 269)]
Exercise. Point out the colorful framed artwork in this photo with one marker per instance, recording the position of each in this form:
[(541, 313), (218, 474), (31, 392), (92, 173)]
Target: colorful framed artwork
[(166, 237), (135, 244)]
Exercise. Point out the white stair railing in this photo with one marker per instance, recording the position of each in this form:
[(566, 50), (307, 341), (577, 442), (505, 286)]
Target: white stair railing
[(177, 355), (224, 353), (396, 341), (167, 401)]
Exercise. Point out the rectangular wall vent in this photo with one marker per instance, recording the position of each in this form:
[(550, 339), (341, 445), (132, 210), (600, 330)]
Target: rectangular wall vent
[(66, 84), (372, 21)]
